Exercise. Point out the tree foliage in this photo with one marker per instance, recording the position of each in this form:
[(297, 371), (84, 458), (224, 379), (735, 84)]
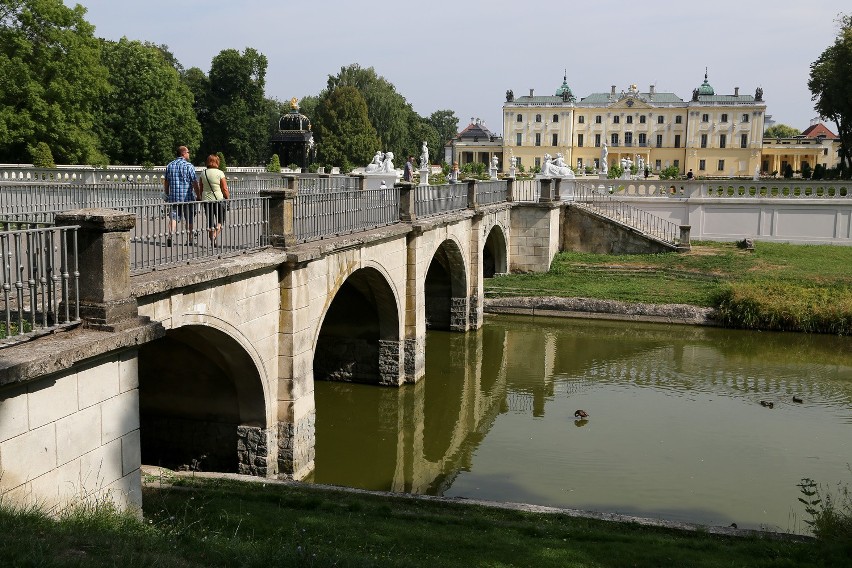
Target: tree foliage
[(149, 111), (830, 83), (344, 129), (51, 77), (781, 131), (446, 123), (42, 156), (237, 119)]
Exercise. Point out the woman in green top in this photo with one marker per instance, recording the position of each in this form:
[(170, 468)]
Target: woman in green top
[(214, 192)]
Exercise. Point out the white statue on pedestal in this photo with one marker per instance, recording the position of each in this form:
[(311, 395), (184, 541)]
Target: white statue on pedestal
[(604, 161), (513, 161), (424, 156), (557, 167), (387, 163), (494, 162), (376, 164)]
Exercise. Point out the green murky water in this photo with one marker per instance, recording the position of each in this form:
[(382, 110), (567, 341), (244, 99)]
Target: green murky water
[(676, 429)]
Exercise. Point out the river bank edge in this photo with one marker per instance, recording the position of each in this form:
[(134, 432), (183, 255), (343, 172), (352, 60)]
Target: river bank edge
[(593, 308)]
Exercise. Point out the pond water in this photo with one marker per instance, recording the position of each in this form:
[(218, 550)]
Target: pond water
[(676, 429)]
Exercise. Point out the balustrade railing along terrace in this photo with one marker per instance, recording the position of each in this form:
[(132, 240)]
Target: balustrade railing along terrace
[(526, 190), (491, 192), (39, 280), (439, 199)]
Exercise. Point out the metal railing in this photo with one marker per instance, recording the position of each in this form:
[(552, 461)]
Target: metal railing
[(335, 213), (438, 199), (526, 190), (596, 198), (312, 183), (491, 192), (25, 198), (39, 282), (154, 245)]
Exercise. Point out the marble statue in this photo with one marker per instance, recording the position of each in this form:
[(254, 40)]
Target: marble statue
[(494, 162), (387, 163), (376, 165), (556, 167), (513, 161), (604, 161), (424, 156)]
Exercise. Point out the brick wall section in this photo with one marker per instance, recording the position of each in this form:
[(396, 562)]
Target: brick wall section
[(73, 436)]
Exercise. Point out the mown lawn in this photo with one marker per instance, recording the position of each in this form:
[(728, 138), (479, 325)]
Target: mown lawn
[(226, 523)]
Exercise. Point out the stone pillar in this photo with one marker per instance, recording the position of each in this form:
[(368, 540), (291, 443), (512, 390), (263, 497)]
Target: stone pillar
[(103, 262), (557, 186), (406, 201), (424, 176), (362, 181), (282, 230), (510, 189), (684, 244), (471, 194), (546, 190)]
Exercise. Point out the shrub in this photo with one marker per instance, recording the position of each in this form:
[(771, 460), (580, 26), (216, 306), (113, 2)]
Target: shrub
[(615, 171), (806, 171), (274, 165), (830, 514), (222, 165), (670, 172), (788, 172)]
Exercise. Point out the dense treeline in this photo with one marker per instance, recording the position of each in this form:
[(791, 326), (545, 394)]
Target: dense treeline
[(67, 96)]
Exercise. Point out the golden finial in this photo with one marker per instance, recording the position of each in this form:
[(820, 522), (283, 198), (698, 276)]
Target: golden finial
[(294, 103)]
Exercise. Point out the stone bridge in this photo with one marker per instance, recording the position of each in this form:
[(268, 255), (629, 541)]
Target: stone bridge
[(212, 364)]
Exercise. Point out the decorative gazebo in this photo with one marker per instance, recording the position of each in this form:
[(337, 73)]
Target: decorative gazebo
[(294, 141)]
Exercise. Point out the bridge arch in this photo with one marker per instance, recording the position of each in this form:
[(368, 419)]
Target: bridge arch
[(203, 400), (358, 339), (495, 252), (446, 288)]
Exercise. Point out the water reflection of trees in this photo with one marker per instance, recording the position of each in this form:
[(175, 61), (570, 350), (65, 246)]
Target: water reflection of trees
[(419, 437)]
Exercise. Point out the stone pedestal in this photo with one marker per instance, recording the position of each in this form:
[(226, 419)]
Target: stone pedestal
[(424, 177), (374, 180), (492, 172)]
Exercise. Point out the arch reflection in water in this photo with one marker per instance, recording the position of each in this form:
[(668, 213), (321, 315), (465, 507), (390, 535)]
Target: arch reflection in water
[(678, 430)]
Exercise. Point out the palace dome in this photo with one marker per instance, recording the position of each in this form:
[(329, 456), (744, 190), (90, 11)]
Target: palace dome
[(564, 90), (705, 88)]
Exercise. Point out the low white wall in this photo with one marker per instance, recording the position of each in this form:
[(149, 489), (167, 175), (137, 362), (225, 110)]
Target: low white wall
[(73, 437)]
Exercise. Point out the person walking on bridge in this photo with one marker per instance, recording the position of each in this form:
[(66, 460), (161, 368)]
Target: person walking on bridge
[(182, 188)]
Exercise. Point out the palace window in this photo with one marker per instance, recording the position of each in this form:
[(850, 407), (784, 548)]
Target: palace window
[(743, 140), (519, 118), (660, 119), (721, 165), (554, 140), (702, 165), (659, 140), (519, 137), (677, 141), (538, 118), (614, 139), (642, 119), (629, 119), (581, 119), (705, 117), (643, 139), (598, 119), (597, 140), (579, 140), (724, 118), (703, 140), (616, 119), (555, 118), (676, 164), (658, 164), (538, 162), (628, 138), (678, 119), (538, 139), (745, 118), (723, 141)]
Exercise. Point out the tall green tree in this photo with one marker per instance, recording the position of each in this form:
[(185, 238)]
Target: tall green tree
[(781, 131), (347, 138), (446, 123), (238, 120), (388, 111), (149, 111), (51, 78), (830, 83)]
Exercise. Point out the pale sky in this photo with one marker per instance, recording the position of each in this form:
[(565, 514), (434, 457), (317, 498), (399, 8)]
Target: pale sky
[(463, 55)]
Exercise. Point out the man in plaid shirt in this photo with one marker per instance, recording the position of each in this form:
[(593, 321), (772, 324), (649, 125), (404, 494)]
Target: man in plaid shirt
[(181, 186)]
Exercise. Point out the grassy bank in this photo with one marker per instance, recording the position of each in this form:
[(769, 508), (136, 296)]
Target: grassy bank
[(775, 287), (250, 524)]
